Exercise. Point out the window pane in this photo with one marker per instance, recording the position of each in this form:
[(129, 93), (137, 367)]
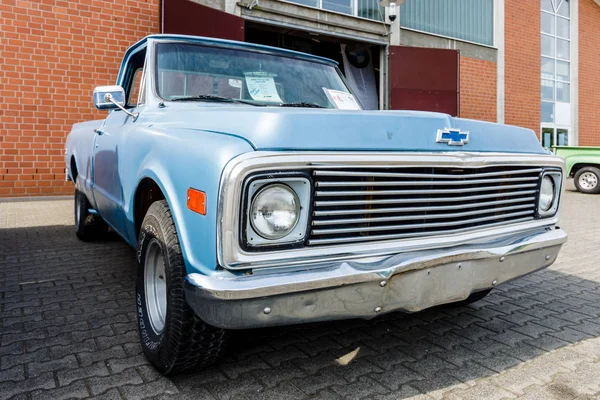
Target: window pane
[(471, 20), (562, 70), (547, 46), (562, 49), (548, 23), (371, 9), (547, 111), (562, 137), (563, 92), (342, 6), (547, 137), (548, 68), (562, 27), (546, 5), (311, 3), (563, 8), (547, 90)]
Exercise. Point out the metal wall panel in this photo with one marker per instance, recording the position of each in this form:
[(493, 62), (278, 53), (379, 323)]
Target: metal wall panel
[(424, 79), (188, 18)]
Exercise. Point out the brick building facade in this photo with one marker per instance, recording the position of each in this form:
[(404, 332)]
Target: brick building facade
[(53, 53)]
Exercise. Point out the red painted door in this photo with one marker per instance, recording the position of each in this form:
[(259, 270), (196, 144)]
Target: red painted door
[(424, 79), (188, 18)]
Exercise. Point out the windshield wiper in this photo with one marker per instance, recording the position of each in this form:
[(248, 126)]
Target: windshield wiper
[(211, 97), (301, 104), (208, 97)]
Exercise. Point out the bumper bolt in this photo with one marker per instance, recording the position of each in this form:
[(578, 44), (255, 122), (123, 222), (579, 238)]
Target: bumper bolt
[(377, 309), (459, 266), (548, 257), (502, 259), (382, 283), (495, 282), (267, 310)]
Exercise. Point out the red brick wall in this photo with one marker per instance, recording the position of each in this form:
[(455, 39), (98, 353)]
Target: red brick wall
[(589, 73), (52, 54), (478, 89), (522, 74)]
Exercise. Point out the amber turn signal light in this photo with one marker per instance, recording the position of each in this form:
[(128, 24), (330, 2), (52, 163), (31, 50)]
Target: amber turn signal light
[(196, 201)]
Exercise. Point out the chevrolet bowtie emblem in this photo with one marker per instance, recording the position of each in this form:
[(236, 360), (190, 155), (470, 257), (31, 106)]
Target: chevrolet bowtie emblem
[(453, 137)]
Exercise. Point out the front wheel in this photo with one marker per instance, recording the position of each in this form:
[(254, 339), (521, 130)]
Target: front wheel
[(173, 338), (587, 180)]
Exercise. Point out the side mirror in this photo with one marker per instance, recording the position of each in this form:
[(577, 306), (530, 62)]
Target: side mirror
[(104, 94), (111, 97)]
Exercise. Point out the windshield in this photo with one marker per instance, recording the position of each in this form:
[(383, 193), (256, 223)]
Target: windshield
[(204, 73)]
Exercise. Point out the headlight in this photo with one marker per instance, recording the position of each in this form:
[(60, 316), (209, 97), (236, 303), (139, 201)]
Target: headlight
[(275, 211), (547, 192)]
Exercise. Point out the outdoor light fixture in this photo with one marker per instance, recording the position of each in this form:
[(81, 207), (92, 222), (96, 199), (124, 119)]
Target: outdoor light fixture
[(392, 7)]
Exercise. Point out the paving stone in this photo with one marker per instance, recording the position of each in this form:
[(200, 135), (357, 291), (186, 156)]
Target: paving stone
[(9, 389), (161, 386), (273, 377), (284, 391), (37, 368), (65, 377), (76, 390), (570, 335), (234, 369), (482, 390), (87, 359), (101, 384), (16, 373), (244, 384), (320, 380), (364, 388)]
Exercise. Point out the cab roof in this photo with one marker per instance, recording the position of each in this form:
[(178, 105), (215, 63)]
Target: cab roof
[(230, 44)]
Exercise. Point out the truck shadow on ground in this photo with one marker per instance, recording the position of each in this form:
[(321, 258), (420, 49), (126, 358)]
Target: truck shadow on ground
[(64, 299)]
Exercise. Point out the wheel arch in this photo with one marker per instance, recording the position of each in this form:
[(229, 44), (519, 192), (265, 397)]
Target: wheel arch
[(147, 192), (579, 165)]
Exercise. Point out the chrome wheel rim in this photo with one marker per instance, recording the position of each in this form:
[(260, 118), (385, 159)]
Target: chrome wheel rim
[(588, 180), (155, 286)]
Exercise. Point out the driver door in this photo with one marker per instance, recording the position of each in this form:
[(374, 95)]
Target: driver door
[(109, 152)]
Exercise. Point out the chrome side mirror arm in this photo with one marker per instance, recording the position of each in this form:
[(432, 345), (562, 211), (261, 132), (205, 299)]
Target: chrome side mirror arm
[(109, 97)]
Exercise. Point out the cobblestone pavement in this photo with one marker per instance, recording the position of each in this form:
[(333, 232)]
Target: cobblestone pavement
[(67, 330)]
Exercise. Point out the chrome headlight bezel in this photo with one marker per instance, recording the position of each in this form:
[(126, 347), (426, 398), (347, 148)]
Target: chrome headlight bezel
[(300, 185), (557, 178)]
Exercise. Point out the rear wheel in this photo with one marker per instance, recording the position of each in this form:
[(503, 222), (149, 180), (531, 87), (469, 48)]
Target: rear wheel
[(88, 226), (587, 180), (173, 338)]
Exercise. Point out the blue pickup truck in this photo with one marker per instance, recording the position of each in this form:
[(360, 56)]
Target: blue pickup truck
[(258, 193)]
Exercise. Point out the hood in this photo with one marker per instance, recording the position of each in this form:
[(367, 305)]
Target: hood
[(271, 128)]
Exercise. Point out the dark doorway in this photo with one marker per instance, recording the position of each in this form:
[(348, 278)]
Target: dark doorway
[(313, 43)]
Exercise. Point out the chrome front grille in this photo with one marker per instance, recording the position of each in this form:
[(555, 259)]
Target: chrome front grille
[(353, 205)]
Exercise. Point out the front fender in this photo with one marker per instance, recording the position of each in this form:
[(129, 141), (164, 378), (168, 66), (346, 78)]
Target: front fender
[(176, 161)]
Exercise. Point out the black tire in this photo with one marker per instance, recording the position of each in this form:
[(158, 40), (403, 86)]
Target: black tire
[(474, 297), (185, 342), (88, 227), (587, 188)]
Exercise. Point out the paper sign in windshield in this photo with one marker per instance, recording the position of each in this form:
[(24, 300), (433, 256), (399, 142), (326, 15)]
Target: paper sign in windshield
[(263, 89), (342, 100)]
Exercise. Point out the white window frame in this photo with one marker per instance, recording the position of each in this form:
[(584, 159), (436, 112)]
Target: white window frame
[(555, 58)]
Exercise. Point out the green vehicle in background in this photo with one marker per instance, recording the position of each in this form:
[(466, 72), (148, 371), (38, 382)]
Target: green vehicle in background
[(583, 165)]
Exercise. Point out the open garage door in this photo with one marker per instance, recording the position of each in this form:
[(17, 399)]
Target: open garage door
[(189, 18), (424, 79)]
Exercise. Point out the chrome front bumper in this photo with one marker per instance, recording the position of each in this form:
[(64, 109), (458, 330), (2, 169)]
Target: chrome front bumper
[(367, 287)]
